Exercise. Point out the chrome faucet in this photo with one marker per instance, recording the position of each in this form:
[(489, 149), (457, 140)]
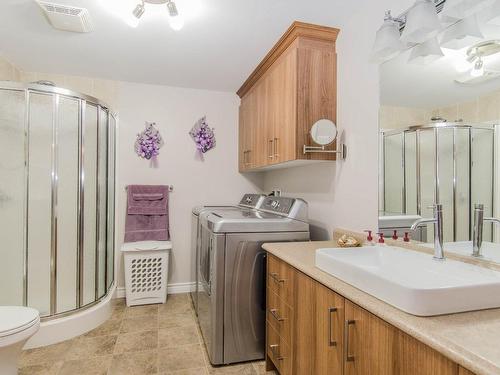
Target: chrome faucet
[(438, 230), (477, 230)]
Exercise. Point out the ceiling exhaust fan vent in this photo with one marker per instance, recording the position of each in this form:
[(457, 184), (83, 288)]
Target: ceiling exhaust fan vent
[(67, 18)]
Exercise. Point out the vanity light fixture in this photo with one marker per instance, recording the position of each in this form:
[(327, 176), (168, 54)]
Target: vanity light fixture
[(462, 34), (426, 52), (387, 43), (422, 22), (492, 14), (175, 19)]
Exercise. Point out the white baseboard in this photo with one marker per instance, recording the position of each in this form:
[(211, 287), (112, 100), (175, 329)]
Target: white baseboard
[(171, 289)]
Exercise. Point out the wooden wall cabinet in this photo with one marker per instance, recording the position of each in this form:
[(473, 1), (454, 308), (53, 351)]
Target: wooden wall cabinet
[(312, 330), (292, 88)]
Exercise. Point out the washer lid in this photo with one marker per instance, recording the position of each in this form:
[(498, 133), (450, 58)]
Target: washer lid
[(146, 245), (14, 319)]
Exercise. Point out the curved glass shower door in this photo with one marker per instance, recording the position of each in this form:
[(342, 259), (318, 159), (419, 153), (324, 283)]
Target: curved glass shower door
[(449, 163), (56, 198)]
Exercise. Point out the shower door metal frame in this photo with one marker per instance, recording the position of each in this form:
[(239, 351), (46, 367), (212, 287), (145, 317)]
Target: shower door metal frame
[(82, 99), (435, 127)]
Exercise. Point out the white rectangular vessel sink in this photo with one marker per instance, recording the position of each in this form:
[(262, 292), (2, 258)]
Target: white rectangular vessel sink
[(411, 281)]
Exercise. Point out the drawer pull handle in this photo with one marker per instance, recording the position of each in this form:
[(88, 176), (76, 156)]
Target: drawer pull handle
[(274, 313), (331, 341), (348, 357), (276, 278), (274, 349)]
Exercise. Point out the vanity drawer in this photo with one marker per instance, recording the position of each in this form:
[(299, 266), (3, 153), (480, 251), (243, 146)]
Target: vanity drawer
[(279, 315), (278, 351), (280, 277)]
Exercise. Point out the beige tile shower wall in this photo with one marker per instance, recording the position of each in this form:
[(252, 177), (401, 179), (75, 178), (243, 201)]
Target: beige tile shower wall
[(105, 90), (392, 117), (8, 72), (485, 109)]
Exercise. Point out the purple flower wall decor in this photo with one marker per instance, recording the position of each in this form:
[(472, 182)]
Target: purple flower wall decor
[(149, 142), (203, 136)]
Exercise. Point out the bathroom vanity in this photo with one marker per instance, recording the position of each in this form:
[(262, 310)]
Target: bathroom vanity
[(318, 324)]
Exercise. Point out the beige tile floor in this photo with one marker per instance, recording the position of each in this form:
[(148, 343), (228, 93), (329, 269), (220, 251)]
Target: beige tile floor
[(154, 339)]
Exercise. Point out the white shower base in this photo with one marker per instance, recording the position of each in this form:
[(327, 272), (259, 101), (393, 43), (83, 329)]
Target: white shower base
[(76, 324)]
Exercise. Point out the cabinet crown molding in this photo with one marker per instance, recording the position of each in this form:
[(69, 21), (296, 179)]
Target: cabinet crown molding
[(296, 30)]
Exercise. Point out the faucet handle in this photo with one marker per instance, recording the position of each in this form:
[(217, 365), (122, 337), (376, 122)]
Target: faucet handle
[(381, 237), (369, 238), (395, 234), (406, 237)]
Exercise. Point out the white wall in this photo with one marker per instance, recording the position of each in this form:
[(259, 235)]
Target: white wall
[(345, 194), (215, 180)]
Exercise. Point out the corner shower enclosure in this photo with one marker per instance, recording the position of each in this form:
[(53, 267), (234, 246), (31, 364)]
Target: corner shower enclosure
[(447, 163), (56, 198)]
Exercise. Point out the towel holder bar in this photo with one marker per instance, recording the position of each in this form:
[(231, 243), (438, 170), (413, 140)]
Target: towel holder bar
[(170, 188)]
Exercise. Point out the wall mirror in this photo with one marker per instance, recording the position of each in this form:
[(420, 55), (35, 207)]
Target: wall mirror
[(439, 117), (323, 132)]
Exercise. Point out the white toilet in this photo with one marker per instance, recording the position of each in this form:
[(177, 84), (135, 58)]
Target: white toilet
[(17, 325)]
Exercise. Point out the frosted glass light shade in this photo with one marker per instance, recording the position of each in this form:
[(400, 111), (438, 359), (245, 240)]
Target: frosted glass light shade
[(387, 42), (462, 34), (422, 22), (492, 14), (459, 9), (425, 53)]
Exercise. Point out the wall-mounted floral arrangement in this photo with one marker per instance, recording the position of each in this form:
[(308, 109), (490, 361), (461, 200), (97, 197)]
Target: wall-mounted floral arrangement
[(203, 136), (149, 142)]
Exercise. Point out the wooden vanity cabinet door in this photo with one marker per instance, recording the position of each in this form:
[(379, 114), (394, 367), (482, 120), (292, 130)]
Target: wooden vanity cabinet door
[(368, 343), (416, 358), (304, 332), (464, 371), (329, 331), (283, 104)]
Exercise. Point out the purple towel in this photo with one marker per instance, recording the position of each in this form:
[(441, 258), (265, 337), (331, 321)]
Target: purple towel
[(147, 213), (147, 200)]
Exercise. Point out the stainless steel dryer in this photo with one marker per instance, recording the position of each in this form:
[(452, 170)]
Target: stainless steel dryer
[(248, 201), (231, 299)]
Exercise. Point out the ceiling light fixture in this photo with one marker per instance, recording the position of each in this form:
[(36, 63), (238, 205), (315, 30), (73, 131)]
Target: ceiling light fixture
[(387, 44), (139, 10), (462, 34), (175, 19), (422, 22), (478, 69), (476, 54)]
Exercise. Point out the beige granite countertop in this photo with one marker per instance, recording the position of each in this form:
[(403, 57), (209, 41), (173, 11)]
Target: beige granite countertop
[(471, 339)]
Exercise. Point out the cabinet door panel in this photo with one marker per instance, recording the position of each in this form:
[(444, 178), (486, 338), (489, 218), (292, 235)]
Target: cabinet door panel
[(369, 342), (283, 98), (415, 358), (242, 150), (329, 331), (304, 327), (464, 371)]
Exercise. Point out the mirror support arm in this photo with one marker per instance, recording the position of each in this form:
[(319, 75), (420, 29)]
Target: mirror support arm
[(321, 149)]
